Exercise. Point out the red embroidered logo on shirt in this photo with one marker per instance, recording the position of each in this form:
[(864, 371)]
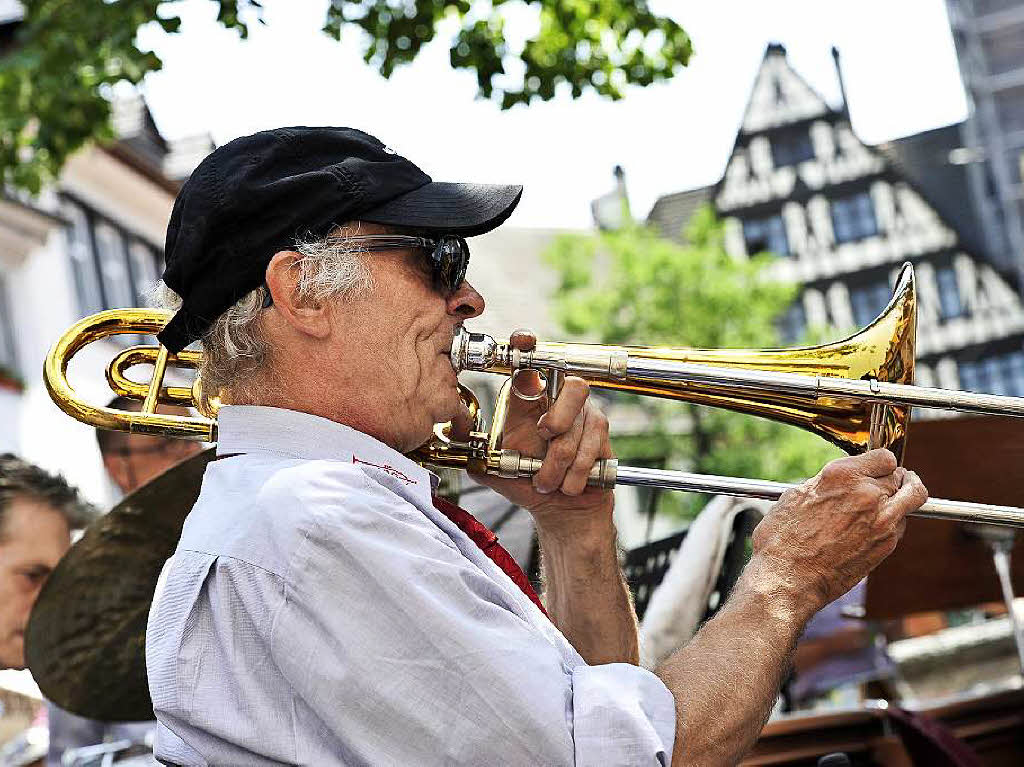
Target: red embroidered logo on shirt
[(389, 469)]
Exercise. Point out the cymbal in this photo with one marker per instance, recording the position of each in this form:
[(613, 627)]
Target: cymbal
[(86, 637)]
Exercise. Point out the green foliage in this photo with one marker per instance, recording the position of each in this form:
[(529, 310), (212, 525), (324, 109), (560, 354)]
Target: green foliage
[(67, 54), (601, 45), (630, 286), (65, 57)]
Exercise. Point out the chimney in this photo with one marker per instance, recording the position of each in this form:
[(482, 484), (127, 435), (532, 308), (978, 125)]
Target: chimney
[(845, 107), (611, 210)]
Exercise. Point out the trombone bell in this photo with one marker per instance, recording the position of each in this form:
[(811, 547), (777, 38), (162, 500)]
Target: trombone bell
[(883, 351)]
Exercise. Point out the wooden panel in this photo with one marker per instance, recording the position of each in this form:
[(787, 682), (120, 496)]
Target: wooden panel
[(937, 565), (992, 725)]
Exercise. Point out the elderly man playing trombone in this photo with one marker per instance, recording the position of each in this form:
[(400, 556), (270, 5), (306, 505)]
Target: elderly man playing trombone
[(323, 608)]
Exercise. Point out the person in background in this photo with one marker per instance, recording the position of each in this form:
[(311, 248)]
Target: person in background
[(38, 513), (130, 461)]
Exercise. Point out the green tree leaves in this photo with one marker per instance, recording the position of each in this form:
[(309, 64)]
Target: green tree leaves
[(54, 78), (599, 45), (630, 286), (67, 54)]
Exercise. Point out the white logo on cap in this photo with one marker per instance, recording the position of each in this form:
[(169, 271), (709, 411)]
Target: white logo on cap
[(389, 150)]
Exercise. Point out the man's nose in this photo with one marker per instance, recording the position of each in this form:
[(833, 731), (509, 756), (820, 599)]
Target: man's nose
[(466, 302)]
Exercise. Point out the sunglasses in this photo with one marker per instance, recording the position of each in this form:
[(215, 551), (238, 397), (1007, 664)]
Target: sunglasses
[(448, 256)]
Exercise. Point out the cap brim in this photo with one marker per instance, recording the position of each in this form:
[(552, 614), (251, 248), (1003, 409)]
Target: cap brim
[(462, 209)]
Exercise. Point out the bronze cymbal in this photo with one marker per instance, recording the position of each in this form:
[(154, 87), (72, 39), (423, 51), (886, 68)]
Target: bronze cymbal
[(86, 636)]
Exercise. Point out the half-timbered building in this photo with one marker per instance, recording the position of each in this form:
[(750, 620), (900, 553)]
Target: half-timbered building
[(841, 217)]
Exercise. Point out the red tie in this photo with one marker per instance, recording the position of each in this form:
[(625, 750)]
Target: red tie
[(488, 543)]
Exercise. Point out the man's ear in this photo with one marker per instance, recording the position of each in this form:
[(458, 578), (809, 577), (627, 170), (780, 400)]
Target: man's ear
[(302, 315)]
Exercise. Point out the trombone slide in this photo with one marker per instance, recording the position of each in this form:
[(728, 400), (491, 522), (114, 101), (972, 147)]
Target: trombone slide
[(607, 473)]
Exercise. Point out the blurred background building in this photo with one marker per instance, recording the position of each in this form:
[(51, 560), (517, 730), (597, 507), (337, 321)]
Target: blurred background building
[(989, 39), (841, 217), (91, 241)]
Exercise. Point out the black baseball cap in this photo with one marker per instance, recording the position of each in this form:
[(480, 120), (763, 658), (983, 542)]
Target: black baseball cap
[(252, 198)]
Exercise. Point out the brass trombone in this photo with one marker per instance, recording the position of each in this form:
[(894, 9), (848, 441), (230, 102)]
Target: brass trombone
[(857, 393)]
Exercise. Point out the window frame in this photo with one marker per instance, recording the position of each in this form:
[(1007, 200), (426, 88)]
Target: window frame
[(864, 297), (8, 342), (1001, 373), (790, 145), (946, 312), (841, 208), (123, 246), (765, 222), (792, 323)]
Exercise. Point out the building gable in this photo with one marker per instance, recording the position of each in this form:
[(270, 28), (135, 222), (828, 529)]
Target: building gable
[(780, 96), (842, 216)]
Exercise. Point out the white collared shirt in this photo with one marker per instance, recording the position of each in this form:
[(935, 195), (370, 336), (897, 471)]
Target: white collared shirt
[(319, 610)]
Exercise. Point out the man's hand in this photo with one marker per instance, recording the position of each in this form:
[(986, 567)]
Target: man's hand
[(814, 545), (571, 435), (584, 591), (825, 535)]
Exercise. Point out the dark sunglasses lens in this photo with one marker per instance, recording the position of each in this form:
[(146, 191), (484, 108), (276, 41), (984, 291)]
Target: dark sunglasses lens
[(452, 261)]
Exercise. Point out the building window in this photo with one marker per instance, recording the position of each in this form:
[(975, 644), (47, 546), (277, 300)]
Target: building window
[(999, 374), (853, 218), (117, 278), (949, 296), (83, 263), (792, 148), (793, 322), (144, 264), (867, 301), (1010, 107), (8, 355), (1002, 48), (112, 267), (766, 235)]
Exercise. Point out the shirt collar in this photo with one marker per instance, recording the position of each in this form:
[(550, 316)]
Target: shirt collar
[(292, 434)]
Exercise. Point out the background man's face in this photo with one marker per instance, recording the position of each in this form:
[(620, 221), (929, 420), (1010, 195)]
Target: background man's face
[(33, 538), (138, 458)]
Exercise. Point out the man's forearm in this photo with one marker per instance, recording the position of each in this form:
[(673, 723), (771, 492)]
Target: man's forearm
[(585, 593), (726, 679)]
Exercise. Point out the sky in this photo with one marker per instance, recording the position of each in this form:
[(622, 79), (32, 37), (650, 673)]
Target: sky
[(898, 60)]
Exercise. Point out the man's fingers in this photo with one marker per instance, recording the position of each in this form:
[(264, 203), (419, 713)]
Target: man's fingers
[(562, 413), (593, 446), (527, 383), (874, 463), (911, 495), (890, 484), (561, 453)]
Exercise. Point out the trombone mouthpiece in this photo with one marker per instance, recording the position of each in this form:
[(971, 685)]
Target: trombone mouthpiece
[(474, 351)]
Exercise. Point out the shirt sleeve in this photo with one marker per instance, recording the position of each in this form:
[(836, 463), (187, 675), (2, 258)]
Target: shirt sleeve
[(409, 654)]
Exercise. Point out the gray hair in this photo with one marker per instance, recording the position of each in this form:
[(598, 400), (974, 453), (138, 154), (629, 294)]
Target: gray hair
[(235, 348), (21, 479)]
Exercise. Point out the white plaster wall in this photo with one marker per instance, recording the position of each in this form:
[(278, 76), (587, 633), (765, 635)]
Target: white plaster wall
[(10, 403), (839, 303), (44, 304)]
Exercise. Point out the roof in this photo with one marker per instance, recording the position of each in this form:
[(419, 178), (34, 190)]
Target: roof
[(924, 160), (672, 212)]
